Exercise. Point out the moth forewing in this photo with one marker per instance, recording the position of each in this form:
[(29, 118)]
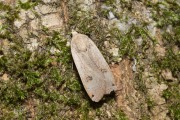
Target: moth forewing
[(91, 81), (104, 67), (92, 67)]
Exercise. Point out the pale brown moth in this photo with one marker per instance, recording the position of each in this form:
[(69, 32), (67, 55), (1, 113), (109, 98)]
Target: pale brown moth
[(94, 71)]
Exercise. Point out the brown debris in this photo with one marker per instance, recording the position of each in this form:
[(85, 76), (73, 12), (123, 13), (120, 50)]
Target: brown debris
[(65, 10), (30, 106), (159, 47), (5, 77), (127, 98), (167, 75), (10, 2), (160, 50)]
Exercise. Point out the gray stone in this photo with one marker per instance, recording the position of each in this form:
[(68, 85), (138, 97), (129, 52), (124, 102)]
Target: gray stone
[(33, 45), (159, 113), (49, 1), (106, 7), (134, 65), (122, 26), (53, 50), (169, 29), (34, 24), (44, 9), (23, 32), (30, 14), (106, 44), (114, 51), (111, 15), (52, 20), (24, 1), (86, 2), (19, 22), (156, 93), (152, 29), (86, 5), (139, 41), (160, 50), (167, 75)]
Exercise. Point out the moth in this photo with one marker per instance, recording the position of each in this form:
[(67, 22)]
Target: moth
[(93, 69)]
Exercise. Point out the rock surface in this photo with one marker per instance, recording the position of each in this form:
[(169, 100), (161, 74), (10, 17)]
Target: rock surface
[(128, 99), (132, 37)]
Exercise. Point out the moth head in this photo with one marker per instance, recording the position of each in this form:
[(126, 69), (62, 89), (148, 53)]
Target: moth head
[(74, 32)]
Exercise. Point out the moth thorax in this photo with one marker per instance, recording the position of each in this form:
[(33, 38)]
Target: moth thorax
[(81, 45)]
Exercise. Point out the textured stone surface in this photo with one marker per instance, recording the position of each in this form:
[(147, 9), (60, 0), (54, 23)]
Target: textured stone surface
[(167, 75), (4, 77), (34, 24), (155, 91), (23, 32), (45, 9), (139, 97), (160, 113), (49, 1), (87, 5), (33, 44), (52, 20), (18, 23), (114, 51), (9, 2), (5, 45), (128, 99)]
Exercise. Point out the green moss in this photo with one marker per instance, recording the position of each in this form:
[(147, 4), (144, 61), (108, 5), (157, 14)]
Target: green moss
[(109, 2), (172, 96), (126, 43), (175, 111), (40, 74), (121, 115), (4, 7), (85, 23), (141, 86), (150, 103), (10, 13), (48, 111), (35, 75), (49, 77), (165, 17), (171, 60), (27, 5), (84, 110), (12, 93)]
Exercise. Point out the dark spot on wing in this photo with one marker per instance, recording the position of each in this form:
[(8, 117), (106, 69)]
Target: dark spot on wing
[(103, 70), (89, 78)]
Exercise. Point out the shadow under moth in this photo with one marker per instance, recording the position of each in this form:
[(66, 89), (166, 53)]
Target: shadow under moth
[(93, 69)]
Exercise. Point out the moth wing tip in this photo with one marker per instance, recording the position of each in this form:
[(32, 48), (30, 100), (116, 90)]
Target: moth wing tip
[(96, 99)]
